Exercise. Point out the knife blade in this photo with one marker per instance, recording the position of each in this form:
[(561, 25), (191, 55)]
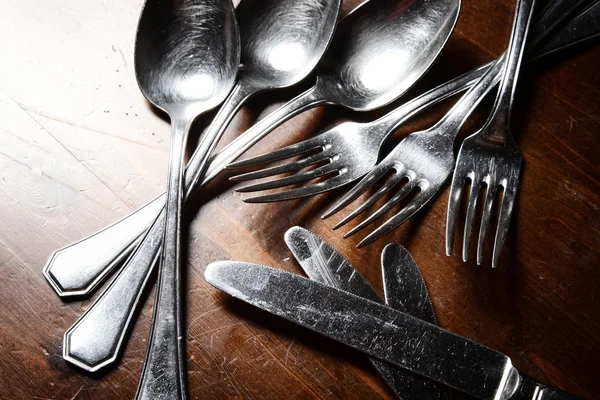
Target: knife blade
[(380, 331), (323, 263), (403, 285)]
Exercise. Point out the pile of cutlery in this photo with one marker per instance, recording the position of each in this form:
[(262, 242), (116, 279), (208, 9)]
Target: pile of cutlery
[(193, 55)]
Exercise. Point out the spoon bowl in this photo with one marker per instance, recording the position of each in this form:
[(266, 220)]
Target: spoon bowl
[(186, 64), (383, 47), (283, 40)]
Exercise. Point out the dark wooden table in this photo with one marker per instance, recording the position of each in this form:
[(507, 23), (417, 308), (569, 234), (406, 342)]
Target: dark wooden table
[(81, 148)]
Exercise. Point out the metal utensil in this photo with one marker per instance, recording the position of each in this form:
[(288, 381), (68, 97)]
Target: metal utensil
[(370, 38), (380, 331), (404, 290), (186, 60), (203, 37), (76, 270), (267, 32), (350, 150), (424, 174), (490, 158)]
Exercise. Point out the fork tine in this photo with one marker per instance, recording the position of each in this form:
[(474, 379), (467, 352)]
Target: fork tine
[(485, 219), (305, 191), (376, 174), (280, 169), (401, 217), (276, 155), (372, 200), (470, 217), (508, 201), (402, 193), (458, 183), (289, 180)]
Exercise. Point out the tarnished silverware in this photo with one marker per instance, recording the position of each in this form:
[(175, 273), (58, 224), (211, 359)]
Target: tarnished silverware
[(203, 36), (282, 41), (186, 59), (379, 51), (418, 177), (490, 159), (351, 150)]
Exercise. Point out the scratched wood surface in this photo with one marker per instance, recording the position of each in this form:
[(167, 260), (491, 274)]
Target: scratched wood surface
[(80, 148)]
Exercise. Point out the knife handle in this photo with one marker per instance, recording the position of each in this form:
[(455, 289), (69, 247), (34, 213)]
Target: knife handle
[(531, 390)]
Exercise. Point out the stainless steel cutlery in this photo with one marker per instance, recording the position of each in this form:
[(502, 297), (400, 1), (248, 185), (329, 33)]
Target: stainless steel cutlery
[(191, 56), (186, 61), (351, 150), (365, 35), (405, 291)]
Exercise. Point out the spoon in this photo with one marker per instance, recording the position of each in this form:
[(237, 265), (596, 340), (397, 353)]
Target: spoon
[(186, 59), (378, 52), (268, 33)]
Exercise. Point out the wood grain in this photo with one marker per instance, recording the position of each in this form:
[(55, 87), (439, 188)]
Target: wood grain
[(81, 147)]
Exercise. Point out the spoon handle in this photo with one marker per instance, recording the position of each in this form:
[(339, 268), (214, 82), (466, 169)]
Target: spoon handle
[(163, 374), (198, 162)]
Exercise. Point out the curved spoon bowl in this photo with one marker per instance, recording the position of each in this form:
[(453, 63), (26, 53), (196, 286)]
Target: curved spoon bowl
[(183, 65), (283, 40), (373, 61)]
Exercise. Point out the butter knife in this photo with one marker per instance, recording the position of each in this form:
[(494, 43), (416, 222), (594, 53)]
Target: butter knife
[(380, 331), (404, 290)]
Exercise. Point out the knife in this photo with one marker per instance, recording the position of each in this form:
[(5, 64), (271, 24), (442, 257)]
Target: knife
[(404, 290), (380, 331)]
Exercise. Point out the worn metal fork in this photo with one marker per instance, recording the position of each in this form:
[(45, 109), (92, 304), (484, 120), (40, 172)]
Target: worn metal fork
[(490, 159)]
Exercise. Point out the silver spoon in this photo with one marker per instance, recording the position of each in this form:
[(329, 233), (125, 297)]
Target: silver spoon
[(379, 50), (268, 33), (186, 59)]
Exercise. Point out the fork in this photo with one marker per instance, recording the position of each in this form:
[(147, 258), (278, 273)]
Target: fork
[(490, 158)]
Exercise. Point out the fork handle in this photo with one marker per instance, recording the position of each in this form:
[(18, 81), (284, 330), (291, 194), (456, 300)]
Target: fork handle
[(553, 16), (502, 108)]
